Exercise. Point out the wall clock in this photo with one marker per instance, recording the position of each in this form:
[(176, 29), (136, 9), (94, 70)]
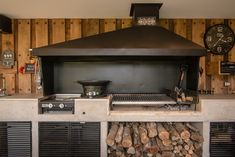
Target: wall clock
[(219, 39)]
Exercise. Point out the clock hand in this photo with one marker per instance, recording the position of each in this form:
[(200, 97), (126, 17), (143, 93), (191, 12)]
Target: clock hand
[(217, 41)]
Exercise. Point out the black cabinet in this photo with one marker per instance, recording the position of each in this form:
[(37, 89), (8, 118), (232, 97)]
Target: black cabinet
[(222, 139), (69, 139), (15, 139)]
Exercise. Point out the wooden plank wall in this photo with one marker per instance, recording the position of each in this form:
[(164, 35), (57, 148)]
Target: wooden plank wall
[(31, 33)]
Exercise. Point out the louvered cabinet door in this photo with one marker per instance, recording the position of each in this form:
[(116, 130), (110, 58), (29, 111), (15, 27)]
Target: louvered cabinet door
[(15, 139), (3, 139), (54, 139), (222, 139), (85, 139)]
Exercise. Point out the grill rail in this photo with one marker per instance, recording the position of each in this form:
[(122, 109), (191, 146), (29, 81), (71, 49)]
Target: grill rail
[(141, 99)]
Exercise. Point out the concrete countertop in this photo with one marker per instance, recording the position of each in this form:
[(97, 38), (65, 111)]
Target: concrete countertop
[(21, 97), (217, 97)]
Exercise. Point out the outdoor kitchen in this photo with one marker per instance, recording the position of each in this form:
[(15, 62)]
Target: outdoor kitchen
[(140, 86)]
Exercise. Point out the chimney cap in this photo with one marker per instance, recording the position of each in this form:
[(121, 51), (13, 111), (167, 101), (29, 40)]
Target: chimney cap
[(145, 9)]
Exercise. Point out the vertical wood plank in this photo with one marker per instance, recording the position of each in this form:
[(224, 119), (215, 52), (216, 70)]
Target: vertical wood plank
[(180, 27), (109, 25), (231, 78), (57, 31), (10, 82), (40, 38), (217, 81), (164, 23), (7, 43), (24, 39), (126, 23), (90, 27), (198, 31), (75, 30)]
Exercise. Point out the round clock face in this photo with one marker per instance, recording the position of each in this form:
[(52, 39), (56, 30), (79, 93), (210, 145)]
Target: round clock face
[(219, 39)]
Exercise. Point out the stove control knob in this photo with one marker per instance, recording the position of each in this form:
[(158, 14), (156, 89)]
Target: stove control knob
[(50, 105), (61, 105)]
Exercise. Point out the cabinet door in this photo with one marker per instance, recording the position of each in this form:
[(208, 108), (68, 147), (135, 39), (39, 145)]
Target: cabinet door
[(3, 139), (222, 139), (54, 139), (19, 139), (85, 139), (15, 139)]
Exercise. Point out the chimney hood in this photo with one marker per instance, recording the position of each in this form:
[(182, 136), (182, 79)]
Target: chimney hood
[(143, 39), (5, 24)]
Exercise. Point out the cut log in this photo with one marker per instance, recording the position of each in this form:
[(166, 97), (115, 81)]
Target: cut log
[(192, 127), (136, 137), (152, 147), (197, 137), (152, 129), (167, 154), (174, 135), (111, 135), (131, 150), (118, 137), (158, 155), (166, 142), (126, 138), (194, 155), (190, 152), (197, 145), (188, 155), (162, 147), (143, 133), (186, 147), (184, 151), (184, 133), (163, 134)]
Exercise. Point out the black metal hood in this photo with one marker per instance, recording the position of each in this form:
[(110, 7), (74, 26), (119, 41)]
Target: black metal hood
[(139, 40)]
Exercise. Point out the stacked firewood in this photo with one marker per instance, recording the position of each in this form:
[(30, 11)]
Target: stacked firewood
[(150, 139)]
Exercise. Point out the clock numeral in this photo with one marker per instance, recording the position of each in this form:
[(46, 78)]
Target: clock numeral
[(229, 39), (209, 38), (219, 49), (220, 29), (219, 35)]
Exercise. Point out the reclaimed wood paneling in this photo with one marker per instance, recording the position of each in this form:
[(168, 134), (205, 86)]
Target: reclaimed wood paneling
[(180, 27), (109, 25), (57, 30), (126, 23), (75, 29), (198, 30), (90, 27), (24, 43)]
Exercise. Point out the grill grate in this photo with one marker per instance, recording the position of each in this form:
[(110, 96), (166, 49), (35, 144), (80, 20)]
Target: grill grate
[(222, 139), (142, 99)]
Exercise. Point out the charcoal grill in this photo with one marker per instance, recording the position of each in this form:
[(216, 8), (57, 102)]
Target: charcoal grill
[(141, 99)]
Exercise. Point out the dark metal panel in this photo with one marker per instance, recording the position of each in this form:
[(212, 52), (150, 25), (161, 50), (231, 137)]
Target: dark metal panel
[(222, 139), (5, 24), (54, 139), (85, 139), (133, 41), (3, 139), (145, 9), (65, 139), (15, 139), (126, 76)]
